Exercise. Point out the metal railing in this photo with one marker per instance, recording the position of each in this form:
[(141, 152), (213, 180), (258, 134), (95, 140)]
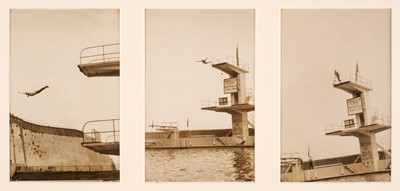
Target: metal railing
[(251, 119), (233, 61), (164, 126), (356, 79), (76, 168), (209, 103), (100, 54), (330, 128), (94, 136), (290, 155), (242, 64), (376, 118), (382, 142), (360, 80)]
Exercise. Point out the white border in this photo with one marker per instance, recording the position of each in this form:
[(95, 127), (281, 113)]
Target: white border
[(132, 92)]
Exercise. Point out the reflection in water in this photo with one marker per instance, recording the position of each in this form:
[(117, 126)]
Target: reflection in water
[(200, 164), (243, 164)]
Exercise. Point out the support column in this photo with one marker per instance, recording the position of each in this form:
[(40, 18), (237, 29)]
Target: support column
[(240, 124), (369, 151)]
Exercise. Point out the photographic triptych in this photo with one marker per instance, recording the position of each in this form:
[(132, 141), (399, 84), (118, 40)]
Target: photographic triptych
[(190, 88)]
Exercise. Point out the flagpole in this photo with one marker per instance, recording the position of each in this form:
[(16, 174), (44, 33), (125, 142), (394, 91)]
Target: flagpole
[(190, 132), (357, 72), (237, 54)]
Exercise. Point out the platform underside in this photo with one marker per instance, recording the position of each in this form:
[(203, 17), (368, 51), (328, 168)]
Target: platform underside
[(107, 68), (103, 148), (229, 68), (373, 128), (232, 108), (351, 87)]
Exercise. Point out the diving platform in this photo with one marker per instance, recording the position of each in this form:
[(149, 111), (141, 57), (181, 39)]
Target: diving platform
[(107, 68), (351, 87), (99, 137), (230, 69), (373, 128), (231, 108), (100, 61), (111, 148)]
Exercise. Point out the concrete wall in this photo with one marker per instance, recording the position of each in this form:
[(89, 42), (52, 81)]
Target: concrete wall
[(197, 142), (36, 145), (186, 133), (345, 160)]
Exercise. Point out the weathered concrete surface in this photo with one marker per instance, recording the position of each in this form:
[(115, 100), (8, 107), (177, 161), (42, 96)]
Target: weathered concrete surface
[(37, 145)]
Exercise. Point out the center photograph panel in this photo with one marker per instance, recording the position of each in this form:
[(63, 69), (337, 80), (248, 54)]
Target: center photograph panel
[(200, 95)]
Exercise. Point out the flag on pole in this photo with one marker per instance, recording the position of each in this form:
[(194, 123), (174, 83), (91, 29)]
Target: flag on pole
[(337, 76), (308, 153), (237, 54), (187, 122), (357, 71)]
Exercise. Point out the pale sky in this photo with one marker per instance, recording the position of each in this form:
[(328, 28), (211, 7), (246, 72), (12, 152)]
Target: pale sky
[(315, 43), (175, 83), (45, 50)]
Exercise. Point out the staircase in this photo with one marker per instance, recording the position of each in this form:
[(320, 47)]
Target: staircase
[(250, 120), (351, 169), (384, 145), (389, 165), (221, 140)]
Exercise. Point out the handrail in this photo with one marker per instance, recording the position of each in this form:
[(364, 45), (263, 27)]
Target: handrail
[(290, 155), (242, 64), (383, 142), (209, 103), (114, 135), (329, 128), (232, 61), (376, 118), (100, 53), (360, 80), (111, 136), (251, 119), (356, 79), (101, 132)]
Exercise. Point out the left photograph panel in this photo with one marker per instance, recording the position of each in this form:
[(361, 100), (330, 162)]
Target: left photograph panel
[(64, 95)]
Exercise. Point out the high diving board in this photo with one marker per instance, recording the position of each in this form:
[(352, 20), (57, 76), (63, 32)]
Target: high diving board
[(111, 148), (373, 128), (93, 140), (351, 87), (100, 69), (229, 68), (231, 108), (100, 61)]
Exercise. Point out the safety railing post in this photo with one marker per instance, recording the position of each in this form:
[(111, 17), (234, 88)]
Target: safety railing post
[(114, 130)]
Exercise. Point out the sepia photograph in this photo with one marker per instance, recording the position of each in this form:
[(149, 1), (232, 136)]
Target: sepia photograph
[(200, 103), (335, 95), (64, 95)]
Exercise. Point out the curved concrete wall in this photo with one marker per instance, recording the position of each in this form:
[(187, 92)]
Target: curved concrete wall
[(36, 145)]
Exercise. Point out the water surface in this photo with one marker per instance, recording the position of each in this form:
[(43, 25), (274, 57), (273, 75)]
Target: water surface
[(200, 165)]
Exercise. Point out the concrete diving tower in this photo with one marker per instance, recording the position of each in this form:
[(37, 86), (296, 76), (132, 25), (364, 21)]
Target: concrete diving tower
[(101, 61), (239, 103), (368, 122)]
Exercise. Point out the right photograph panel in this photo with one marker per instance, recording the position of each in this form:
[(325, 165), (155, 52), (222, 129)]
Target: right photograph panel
[(335, 95)]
